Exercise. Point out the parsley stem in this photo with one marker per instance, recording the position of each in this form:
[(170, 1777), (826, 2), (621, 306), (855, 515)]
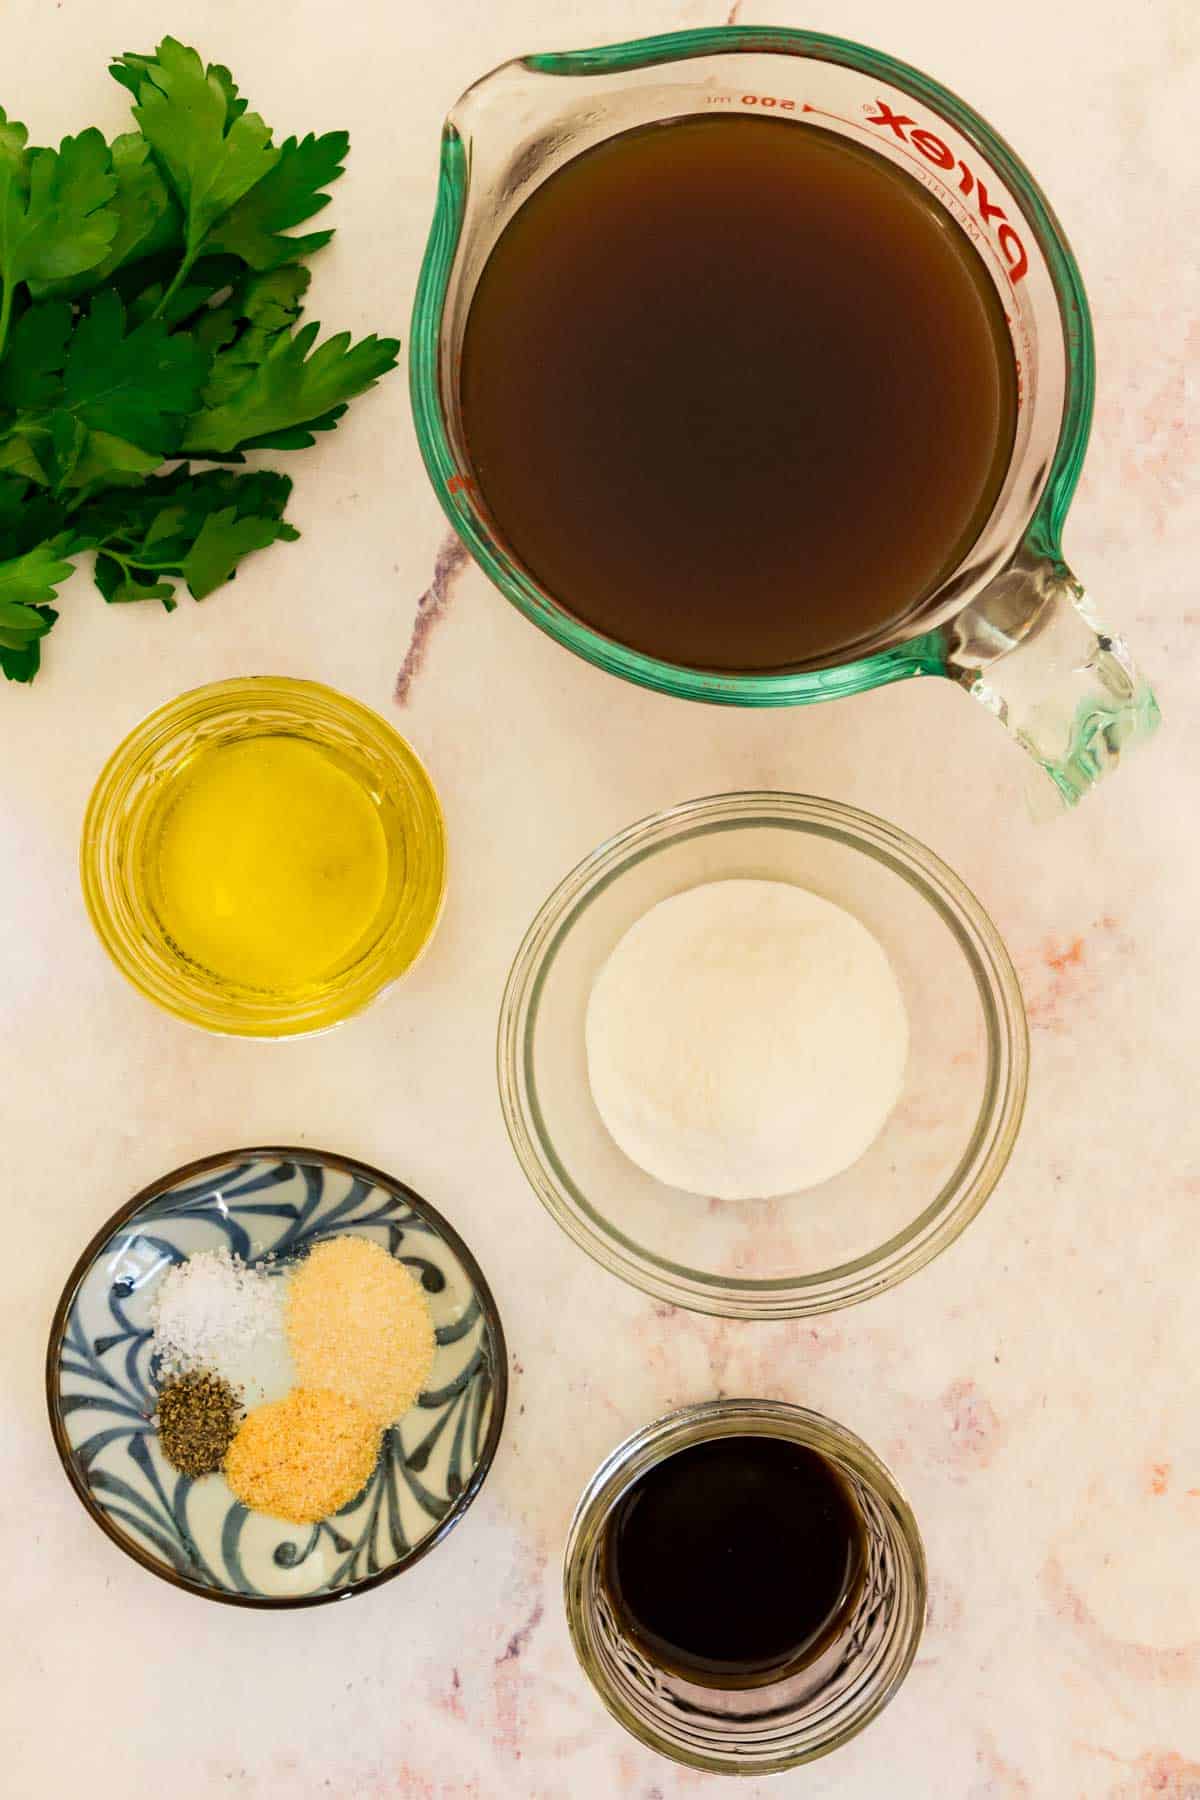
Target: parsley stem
[(181, 272)]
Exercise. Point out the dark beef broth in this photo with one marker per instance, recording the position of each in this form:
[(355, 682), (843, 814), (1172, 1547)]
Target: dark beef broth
[(736, 392)]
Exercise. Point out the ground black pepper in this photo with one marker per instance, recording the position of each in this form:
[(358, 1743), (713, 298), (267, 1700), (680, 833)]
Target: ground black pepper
[(198, 1415)]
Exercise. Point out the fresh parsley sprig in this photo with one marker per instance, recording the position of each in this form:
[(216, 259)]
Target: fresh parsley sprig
[(150, 295)]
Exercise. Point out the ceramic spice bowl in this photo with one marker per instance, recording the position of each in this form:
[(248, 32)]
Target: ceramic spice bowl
[(101, 1381)]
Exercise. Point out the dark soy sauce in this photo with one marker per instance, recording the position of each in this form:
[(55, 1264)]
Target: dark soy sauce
[(736, 1562), (736, 392)]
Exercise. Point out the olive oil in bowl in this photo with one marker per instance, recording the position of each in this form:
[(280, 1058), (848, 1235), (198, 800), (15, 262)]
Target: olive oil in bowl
[(267, 862), (263, 856)]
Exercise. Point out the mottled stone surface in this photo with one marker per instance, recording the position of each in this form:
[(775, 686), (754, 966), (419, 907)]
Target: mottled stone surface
[(1035, 1389)]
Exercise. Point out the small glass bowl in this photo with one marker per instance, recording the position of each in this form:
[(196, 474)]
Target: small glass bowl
[(754, 1731), (122, 808), (930, 1169)]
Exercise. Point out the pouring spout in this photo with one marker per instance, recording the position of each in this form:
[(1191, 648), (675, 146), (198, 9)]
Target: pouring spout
[(1033, 651)]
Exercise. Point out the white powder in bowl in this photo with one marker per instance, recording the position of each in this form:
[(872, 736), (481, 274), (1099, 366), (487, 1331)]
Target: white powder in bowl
[(746, 1039)]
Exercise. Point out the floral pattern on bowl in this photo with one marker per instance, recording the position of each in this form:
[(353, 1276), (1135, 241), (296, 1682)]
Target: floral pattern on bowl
[(268, 1207)]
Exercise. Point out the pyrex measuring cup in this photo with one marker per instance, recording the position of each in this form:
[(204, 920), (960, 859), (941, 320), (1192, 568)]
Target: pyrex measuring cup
[(1011, 624)]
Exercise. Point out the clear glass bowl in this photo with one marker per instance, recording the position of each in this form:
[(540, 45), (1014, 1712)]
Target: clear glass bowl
[(122, 810), (759, 1730), (931, 1168)]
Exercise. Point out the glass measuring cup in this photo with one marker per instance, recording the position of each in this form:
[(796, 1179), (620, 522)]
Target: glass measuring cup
[(1011, 624)]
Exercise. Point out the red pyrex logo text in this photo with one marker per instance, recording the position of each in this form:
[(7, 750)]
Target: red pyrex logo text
[(941, 156)]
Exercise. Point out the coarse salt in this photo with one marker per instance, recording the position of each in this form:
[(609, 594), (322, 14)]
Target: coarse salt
[(215, 1312)]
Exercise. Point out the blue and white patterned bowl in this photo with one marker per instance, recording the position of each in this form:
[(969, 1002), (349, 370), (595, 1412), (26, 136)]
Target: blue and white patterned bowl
[(101, 1387)]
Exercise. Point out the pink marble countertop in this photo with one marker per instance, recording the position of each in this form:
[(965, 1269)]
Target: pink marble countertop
[(1034, 1389)]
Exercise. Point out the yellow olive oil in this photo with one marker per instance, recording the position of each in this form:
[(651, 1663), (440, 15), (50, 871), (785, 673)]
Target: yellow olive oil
[(267, 861)]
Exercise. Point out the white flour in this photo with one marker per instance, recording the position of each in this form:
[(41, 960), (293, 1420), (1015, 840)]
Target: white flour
[(745, 1039)]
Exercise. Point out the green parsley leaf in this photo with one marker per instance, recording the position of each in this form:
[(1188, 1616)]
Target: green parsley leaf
[(287, 391), (17, 457), (58, 444), (211, 150), (116, 409), (23, 665), (55, 216), (32, 578), (242, 331), (222, 542), (27, 515), (139, 385), (228, 86), (108, 461), (148, 218), (20, 624), (287, 195), (120, 583), (27, 583), (193, 527), (296, 437), (150, 292), (14, 496), (31, 375)]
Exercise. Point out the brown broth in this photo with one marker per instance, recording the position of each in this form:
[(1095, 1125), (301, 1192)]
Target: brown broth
[(736, 392)]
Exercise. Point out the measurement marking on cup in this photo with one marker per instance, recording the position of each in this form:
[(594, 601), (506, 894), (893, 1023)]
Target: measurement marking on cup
[(1014, 258), (767, 101), (822, 114), (1010, 254)]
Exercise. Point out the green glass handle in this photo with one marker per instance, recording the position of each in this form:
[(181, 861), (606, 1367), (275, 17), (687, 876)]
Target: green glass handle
[(1032, 650)]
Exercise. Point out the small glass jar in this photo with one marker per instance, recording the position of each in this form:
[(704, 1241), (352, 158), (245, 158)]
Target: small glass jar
[(760, 1730), (121, 815)]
